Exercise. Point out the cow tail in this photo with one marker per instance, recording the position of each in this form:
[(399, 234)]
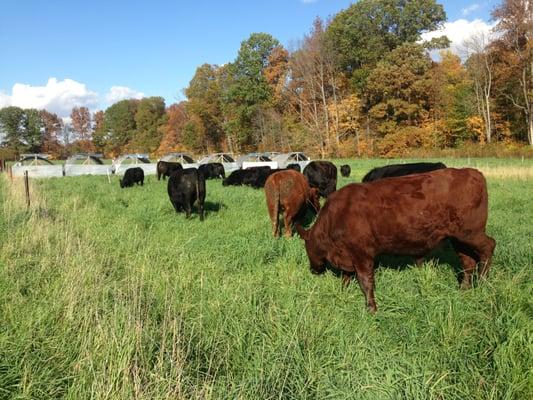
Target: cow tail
[(200, 205), (276, 210)]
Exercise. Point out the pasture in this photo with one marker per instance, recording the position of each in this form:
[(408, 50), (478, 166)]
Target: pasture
[(107, 293)]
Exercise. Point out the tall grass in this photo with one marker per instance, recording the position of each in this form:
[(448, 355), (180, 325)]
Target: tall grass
[(107, 293)]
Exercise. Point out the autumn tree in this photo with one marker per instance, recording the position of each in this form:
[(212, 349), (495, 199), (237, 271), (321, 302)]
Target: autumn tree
[(314, 85), (513, 49), (99, 131), (398, 93), (149, 117), (480, 65), (52, 126), (204, 96), (120, 125), (81, 125), (173, 129), (246, 90), (451, 100)]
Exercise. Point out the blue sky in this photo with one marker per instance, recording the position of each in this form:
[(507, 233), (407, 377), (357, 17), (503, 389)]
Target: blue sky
[(102, 51)]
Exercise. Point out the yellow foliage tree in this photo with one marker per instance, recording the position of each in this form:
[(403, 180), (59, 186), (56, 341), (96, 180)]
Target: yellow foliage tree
[(476, 125)]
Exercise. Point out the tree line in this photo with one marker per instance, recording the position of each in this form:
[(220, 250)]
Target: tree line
[(362, 83)]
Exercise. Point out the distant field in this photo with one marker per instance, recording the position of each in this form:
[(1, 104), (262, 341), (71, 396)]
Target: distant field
[(107, 293)]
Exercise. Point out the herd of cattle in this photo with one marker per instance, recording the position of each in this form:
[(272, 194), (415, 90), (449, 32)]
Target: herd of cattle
[(403, 209)]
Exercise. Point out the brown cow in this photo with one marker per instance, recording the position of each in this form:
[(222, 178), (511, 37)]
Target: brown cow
[(408, 215), (288, 191)]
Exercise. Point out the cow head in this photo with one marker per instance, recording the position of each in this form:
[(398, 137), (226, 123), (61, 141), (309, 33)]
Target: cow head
[(316, 261), (121, 183)]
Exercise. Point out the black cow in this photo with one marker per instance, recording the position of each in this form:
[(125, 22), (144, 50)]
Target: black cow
[(184, 188), (323, 176), (212, 170), (255, 177), (165, 168), (258, 177), (345, 170), (390, 171), (250, 176), (132, 176), (295, 167)]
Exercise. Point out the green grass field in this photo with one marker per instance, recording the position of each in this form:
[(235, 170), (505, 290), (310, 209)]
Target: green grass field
[(106, 293)]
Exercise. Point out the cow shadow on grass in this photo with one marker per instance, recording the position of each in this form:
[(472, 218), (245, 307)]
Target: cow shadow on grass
[(443, 254), (209, 208)]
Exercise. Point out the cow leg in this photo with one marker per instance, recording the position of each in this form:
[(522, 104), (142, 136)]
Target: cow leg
[(187, 205), (485, 248), (273, 212), (287, 220), (419, 261), (346, 279), (201, 210), (365, 276), (472, 252), (275, 225), (468, 258), (177, 206)]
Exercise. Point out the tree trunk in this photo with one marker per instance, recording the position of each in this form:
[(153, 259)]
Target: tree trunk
[(530, 126)]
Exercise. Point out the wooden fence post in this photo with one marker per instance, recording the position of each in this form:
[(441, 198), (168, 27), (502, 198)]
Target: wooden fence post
[(27, 187), (11, 173)]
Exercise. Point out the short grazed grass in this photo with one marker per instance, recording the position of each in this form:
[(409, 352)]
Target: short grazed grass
[(107, 293)]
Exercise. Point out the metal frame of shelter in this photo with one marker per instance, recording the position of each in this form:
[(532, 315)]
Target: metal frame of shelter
[(182, 158), (86, 158), (35, 159), (218, 158), (120, 164), (38, 167), (293, 157), (226, 159), (86, 164)]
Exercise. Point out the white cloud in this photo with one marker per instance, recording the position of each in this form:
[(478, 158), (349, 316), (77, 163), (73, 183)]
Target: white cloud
[(5, 100), (56, 96), (117, 93), (469, 9), (60, 96), (460, 31)]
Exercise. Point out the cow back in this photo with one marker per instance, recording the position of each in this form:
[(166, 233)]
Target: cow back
[(395, 170), (407, 215)]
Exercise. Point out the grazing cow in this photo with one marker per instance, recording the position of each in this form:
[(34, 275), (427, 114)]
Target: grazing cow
[(390, 171), (258, 177), (288, 191), (345, 170), (408, 215), (323, 176), (235, 178), (184, 188), (212, 170), (132, 176), (255, 177), (165, 168), (295, 167)]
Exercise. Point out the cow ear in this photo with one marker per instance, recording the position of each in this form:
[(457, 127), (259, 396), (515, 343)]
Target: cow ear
[(302, 232)]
